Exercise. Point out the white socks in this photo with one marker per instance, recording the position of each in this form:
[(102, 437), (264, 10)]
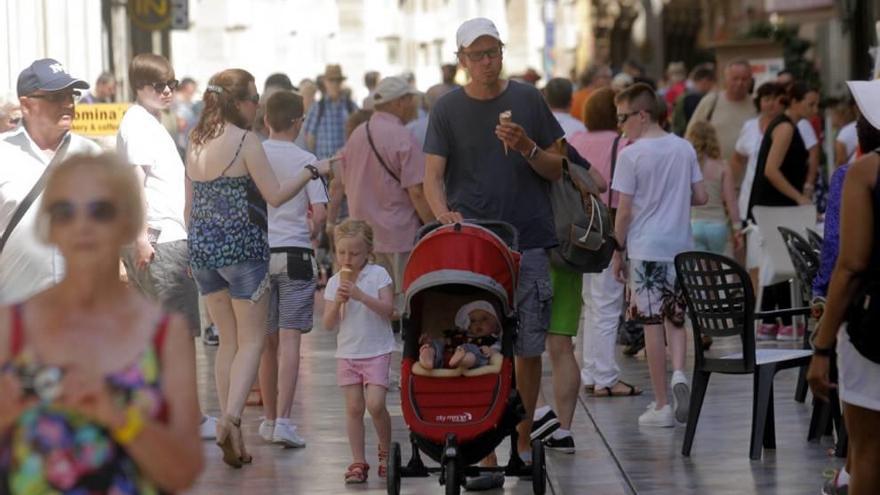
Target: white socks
[(282, 421), (559, 434), (541, 411)]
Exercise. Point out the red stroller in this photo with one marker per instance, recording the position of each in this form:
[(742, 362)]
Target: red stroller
[(459, 420)]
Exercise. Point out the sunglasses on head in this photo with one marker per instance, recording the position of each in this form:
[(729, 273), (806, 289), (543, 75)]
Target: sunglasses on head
[(160, 86), (63, 212), (254, 98), (58, 96)]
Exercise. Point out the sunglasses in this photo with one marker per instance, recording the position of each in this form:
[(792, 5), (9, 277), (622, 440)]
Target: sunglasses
[(477, 56), (58, 96), (63, 212), (623, 117), (160, 86), (254, 98)]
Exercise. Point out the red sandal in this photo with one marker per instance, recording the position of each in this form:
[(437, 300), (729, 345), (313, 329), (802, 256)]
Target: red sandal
[(357, 473), (383, 463)]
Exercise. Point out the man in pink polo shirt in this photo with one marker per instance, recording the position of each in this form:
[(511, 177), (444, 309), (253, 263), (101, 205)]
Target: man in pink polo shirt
[(382, 171)]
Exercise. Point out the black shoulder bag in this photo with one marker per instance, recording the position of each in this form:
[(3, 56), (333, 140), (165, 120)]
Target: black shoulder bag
[(35, 191), (376, 152)]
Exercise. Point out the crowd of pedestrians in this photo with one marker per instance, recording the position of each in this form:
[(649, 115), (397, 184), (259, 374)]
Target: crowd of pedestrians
[(225, 224)]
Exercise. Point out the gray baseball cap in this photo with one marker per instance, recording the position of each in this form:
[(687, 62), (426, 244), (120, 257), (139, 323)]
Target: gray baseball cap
[(47, 74)]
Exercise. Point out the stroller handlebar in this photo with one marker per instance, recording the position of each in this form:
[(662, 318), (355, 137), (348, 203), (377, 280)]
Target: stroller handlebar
[(504, 230)]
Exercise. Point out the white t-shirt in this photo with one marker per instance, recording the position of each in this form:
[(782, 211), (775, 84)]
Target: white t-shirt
[(27, 265), (570, 125), (362, 333), (850, 139), (658, 174), (748, 144), (144, 142), (288, 224), (807, 134)]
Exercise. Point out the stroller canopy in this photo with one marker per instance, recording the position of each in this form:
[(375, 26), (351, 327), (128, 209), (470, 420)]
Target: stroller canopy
[(463, 254)]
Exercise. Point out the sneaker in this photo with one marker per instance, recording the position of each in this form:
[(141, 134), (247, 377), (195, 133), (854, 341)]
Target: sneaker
[(266, 429), (210, 336), (790, 333), (564, 445), (208, 428), (285, 434), (767, 331), (543, 427), (662, 418), (681, 396)]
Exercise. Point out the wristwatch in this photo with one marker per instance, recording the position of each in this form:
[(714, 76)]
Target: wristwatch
[(314, 170)]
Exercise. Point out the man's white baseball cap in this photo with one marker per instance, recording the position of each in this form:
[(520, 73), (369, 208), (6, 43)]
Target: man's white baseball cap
[(472, 29), (390, 89)]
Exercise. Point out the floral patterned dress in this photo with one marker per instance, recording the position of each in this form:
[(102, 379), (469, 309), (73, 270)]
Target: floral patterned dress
[(53, 451)]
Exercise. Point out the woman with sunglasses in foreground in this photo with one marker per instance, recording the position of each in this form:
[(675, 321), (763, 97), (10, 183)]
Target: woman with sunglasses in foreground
[(98, 383), (228, 182)]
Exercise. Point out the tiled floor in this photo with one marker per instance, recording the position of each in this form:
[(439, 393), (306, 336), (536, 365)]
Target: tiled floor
[(616, 459)]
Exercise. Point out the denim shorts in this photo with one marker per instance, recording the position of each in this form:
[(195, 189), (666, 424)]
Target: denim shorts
[(245, 280)]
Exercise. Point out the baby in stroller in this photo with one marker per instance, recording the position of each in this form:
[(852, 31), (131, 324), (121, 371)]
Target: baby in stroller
[(470, 345)]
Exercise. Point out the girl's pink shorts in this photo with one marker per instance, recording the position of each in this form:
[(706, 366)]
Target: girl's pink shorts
[(367, 371)]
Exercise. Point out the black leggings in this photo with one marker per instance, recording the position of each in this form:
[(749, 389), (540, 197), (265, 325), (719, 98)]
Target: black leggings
[(777, 296)]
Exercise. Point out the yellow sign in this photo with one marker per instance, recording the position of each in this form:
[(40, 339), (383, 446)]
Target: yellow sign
[(150, 15), (98, 119)]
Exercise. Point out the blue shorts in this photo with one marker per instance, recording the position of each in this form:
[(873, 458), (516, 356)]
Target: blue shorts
[(710, 236), (245, 280)]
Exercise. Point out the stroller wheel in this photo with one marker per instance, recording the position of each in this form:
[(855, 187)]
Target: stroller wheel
[(393, 478), (539, 468), (453, 485)]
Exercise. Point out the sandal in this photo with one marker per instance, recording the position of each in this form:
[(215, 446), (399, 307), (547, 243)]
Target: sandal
[(357, 473), (609, 391), (383, 463), (225, 440)]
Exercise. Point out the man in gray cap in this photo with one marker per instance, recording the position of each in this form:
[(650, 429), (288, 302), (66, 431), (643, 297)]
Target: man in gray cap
[(492, 150), (382, 172), (47, 94)]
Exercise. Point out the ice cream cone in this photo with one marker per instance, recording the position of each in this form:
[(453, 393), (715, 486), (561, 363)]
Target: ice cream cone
[(505, 118), (345, 275)]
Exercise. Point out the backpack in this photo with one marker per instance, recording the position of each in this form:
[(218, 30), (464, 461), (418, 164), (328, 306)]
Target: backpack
[(583, 222)]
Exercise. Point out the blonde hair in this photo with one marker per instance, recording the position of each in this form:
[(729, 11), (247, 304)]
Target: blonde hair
[(704, 139), (121, 182), (354, 228)]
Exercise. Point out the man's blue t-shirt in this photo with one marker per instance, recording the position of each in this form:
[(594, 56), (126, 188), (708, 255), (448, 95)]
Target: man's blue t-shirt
[(481, 182)]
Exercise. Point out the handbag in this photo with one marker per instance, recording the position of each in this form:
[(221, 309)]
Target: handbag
[(863, 319)]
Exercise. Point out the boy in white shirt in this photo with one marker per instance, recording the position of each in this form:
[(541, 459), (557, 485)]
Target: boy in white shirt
[(291, 268), (658, 178), (159, 263)]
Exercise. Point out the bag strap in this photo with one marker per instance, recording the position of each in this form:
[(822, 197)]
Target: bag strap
[(613, 164), (376, 152), (712, 108), (16, 337), (35, 191)]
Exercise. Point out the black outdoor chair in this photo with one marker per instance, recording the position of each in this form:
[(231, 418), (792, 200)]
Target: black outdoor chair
[(806, 266), (827, 416), (815, 241), (721, 303)]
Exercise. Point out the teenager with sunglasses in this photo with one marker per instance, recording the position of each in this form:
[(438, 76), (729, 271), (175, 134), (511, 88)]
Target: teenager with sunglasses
[(158, 262), (229, 180), (47, 95), (92, 363)]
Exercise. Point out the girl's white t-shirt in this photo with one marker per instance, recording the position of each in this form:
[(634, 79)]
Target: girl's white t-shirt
[(362, 333)]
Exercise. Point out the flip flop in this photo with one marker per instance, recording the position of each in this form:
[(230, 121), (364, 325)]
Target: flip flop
[(609, 391)]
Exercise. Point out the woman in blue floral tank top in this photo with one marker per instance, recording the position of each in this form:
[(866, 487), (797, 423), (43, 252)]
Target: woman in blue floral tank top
[(229, 181)]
